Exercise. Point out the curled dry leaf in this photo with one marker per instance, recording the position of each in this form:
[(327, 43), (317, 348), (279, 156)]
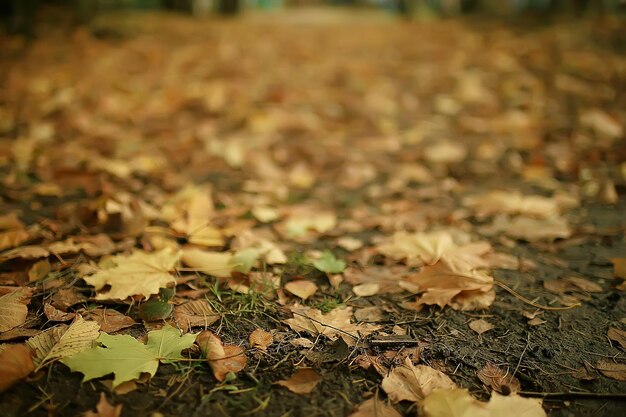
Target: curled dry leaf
[(618, 336), (195, 313), (62, 341), (13, 310), (499, 380), (139, 273), (218, 264), (39, 270), (414, 383), (54, 314), (223, 359), (16, 362), (110, 320), (481, 326), (301, 288), (302, 382), (67, 297), (459, 403), (375, 407), (190, 212), (260, 339), (105, 409)]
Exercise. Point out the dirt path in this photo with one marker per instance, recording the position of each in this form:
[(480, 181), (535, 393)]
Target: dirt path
[(467, 177)]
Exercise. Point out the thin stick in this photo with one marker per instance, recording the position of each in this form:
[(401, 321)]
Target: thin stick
[(519, 362), (573, 394), (530, 302)]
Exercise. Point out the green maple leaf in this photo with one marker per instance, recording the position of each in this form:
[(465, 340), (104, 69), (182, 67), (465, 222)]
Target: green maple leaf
[(329, 264), (126, 357)]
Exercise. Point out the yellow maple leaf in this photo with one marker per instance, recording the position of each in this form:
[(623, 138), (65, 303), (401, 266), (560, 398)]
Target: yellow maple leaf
[(139, 273)]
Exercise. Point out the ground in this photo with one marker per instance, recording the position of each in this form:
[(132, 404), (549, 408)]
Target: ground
[(307, 128)]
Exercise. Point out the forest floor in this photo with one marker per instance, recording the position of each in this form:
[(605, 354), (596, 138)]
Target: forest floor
[(351, 215)]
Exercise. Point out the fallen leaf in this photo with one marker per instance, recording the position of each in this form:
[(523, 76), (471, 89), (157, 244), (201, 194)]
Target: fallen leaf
[(16, 362), (223, 359), (218, 264), (481, 326), (375, 407), (25, 252), (12, 231), (349, 243), (333, 324), (190, 212), (260, 339), (39, 270), (459, 403), (619, 267), (303, 381), (512, 202), (67, 297), (54, 314), (105, 409), (195, 313), (530, 229), (366, 290), (499, 380), (618, 336), (265, 214), (62, 341), (301, 288), (572, 284), (447, 283), (612, 369), (329, 264), (13, 310), (126, 357), (139, 273), (110, 320), (414, 383)]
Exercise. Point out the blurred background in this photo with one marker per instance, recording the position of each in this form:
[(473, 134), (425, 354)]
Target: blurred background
[(19, 16)]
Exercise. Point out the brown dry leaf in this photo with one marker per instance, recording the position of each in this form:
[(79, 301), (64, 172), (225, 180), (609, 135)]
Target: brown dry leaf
[(13, 310), (260, 339), (12, 231), (54, 314), (499, 380), (423, 248), (105, 409), (612, 369), (302, 221), (139, 273), (529, 229), (414, 383), (39, 270), (335, 323), (67, 297), (369, 314), (25, 252), (96, 245), (218, 264), (110, 320), (451, 284), (302, 382), (375, 407), (190, 212), (481, 326), (459, 403), (62, 341), (619, 267), (301, 288), (571, 284), (223, 359), (366, 290), (16, 362), (512, 202), (195, 313), (618, 336)]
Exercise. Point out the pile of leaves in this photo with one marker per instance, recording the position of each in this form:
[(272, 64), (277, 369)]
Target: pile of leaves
[(213, 196)]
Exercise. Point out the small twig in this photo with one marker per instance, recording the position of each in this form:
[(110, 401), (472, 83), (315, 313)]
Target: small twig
[(574, 394), (530, 302), (519, 362)]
